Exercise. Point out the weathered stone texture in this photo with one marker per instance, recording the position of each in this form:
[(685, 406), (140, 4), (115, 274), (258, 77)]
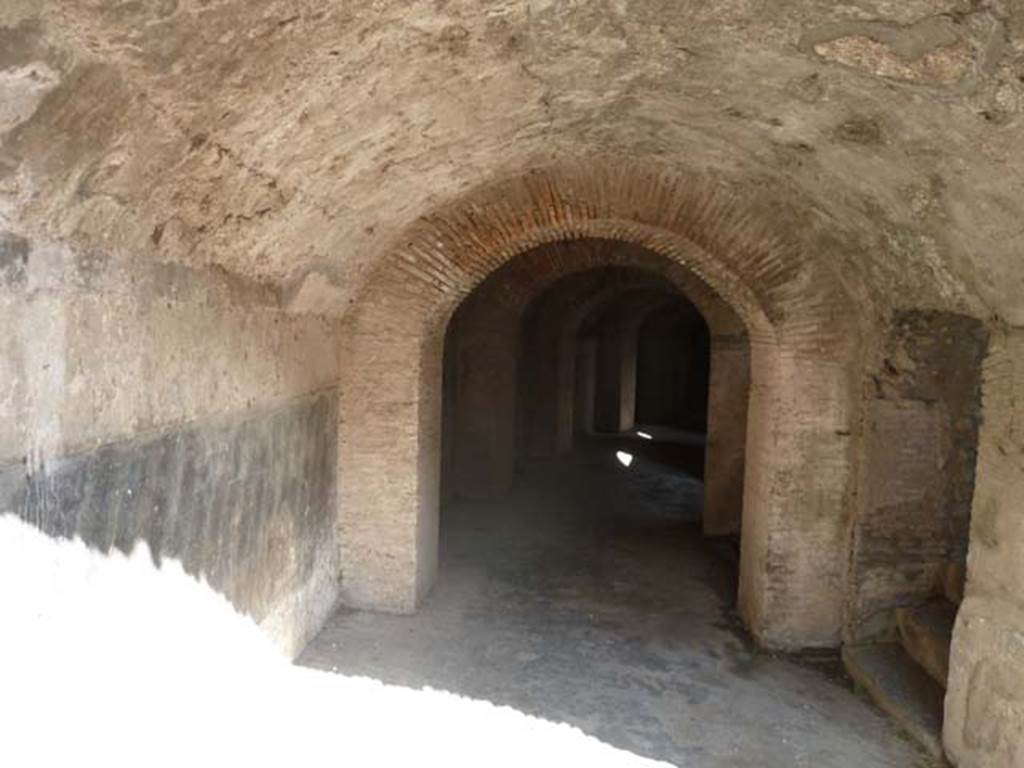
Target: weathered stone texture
[(984, 725), (296, 143), (486, 346), (923, 411), (188, 190), (244, 502), (96, 349), (127, 389), (725, 459), (794, 527)]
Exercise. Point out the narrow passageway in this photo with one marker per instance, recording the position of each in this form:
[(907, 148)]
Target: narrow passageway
[(588, 596)]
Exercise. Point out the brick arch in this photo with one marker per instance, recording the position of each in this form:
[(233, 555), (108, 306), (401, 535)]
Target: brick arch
[(804, 401), (536, 270), (764, 274)]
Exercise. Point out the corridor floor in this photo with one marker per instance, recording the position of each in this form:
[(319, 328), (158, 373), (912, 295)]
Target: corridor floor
[(588, 597)]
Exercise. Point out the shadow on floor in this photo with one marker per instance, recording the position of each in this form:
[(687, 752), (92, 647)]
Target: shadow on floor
[(589, 597)]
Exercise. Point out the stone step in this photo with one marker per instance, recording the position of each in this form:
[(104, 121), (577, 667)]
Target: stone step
[(954, 577), (926, 632), (901, 688)]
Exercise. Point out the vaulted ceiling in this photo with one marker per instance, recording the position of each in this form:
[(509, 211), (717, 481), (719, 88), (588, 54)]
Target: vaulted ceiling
[(297, 140)]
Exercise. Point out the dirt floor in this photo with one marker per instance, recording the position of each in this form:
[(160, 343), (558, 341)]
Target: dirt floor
[(589, 597)]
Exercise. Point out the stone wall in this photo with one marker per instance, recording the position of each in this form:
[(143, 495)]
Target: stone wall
[(725, 453), (923, 411), (984, 724), (177, 407), (244, 502), (483, 343)]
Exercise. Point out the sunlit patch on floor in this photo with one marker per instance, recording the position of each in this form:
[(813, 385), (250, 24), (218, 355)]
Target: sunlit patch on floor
[(107, 658)]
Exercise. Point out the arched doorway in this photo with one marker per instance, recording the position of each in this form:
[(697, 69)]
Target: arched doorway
[(567, 576), (804, 383), (839, 529)]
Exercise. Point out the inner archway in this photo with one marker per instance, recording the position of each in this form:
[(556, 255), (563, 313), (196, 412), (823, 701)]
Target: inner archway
[(804, 379)]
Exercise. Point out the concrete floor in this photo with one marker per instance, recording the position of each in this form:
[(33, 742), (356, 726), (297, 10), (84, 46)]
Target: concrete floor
[(588, 597)]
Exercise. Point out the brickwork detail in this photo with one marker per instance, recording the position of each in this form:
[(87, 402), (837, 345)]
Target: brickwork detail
[(804, 371)]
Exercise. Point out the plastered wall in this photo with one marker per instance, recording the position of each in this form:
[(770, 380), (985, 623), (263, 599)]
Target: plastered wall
[(180, 408)]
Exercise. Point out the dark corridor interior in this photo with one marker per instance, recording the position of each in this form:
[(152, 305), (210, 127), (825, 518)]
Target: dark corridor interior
[(662, 411), (604, 352), (606, 369), (673, 364)]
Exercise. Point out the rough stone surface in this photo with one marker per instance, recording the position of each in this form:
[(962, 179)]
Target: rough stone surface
[(924, 409), (96, 349), (728, 408), (245, 502), (926, 633), (208, 206), (295, 141), (484, 342), (985, 696), (901, 688), (984, 725), (119, 374)]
